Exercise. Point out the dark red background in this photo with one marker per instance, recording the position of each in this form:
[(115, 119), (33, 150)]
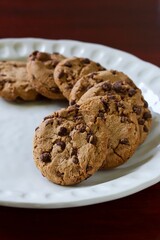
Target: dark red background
[(132, 26)]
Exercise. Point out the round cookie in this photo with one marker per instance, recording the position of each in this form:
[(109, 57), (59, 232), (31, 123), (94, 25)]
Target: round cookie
[(131, 94), (88, 81), (123, 136), (14, 82), (68, 71), (68, 148), (40, 67)]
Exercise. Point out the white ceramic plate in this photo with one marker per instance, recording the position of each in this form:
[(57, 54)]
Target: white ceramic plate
[(22, 185)]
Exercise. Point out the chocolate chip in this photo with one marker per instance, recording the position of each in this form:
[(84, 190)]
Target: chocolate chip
[(77, 106), (55, 53), (36, 128), (76, 109), (61, 74), (122, 97), (3, 75), (9, 80), (33, 77), (56, 114), (124, 141), (48, 117), (68, 64), (62, 131), (113, 72), (88, 137), (145, 129), (33, 55), (86, 60), (61, 144), (137, 109), (106, 86), (145, 104), (78, 117), (93, 74), (91, 139), (82, 129), (42, 56), (72, 102), (15, 65), (89, 168), (50, 76), (147, 115), (75, 160), (2, 84), (118, 87), (55, 90), (74, 152), (45, 157), (59, 174), (101, 114), (112, 97), (105, 104), (131, 92), (141, 121), (103, 69)]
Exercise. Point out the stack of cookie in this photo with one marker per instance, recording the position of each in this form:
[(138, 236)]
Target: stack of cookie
[(106, 120)]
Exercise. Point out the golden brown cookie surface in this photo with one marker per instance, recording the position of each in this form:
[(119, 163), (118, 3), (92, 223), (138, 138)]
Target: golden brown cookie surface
[(68, 71), (121, 126), (40, 67), (68, 148), (89, 80), (123, 86), (14, 82)]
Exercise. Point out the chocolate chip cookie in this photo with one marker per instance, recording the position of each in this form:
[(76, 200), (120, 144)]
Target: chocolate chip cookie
[(130, 93), (14, 82), (121, 126), (88, 81), (68, 71), (40, 67), (68, 147)]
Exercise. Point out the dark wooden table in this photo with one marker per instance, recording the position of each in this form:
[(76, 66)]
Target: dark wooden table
[(132, 26)]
